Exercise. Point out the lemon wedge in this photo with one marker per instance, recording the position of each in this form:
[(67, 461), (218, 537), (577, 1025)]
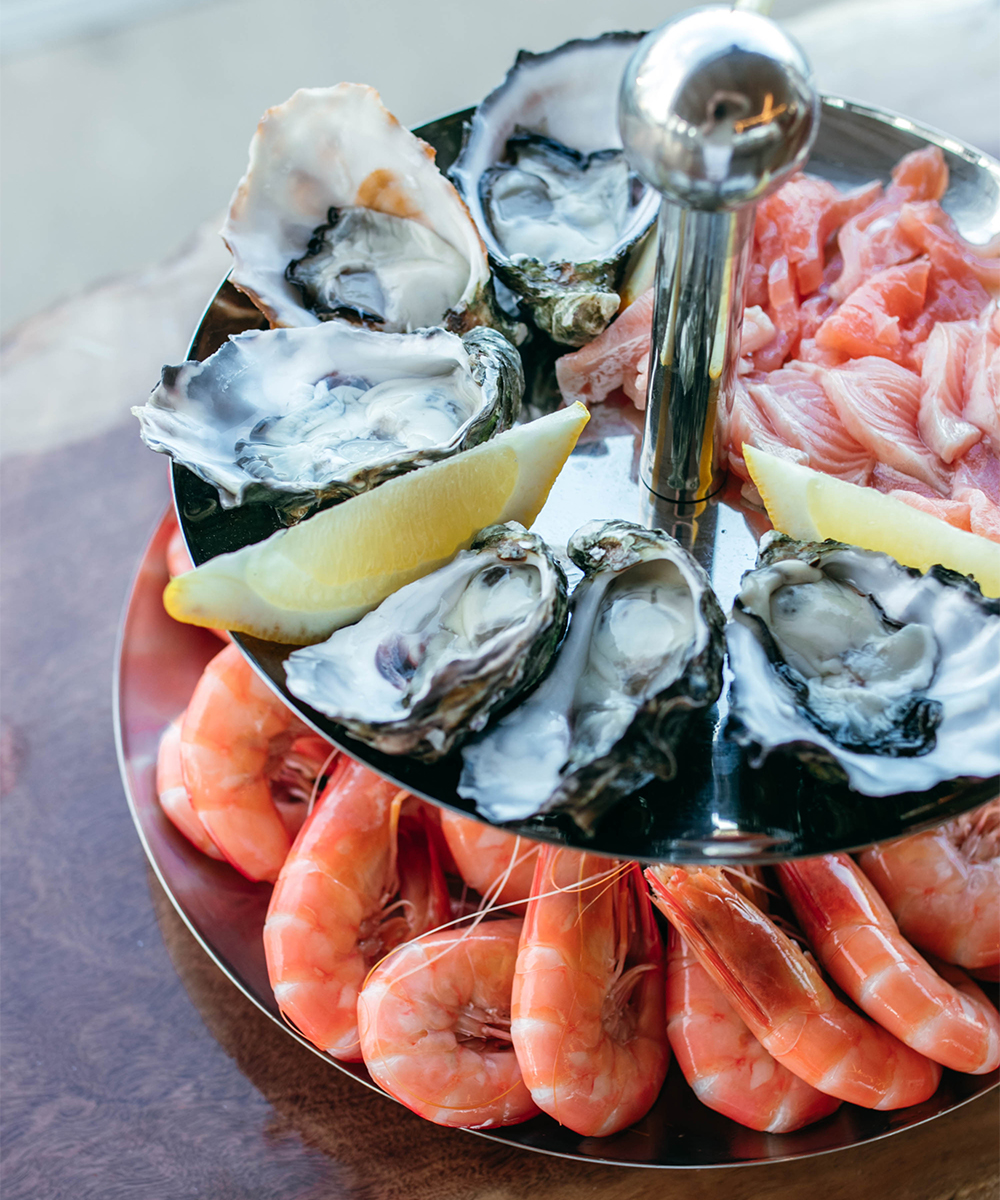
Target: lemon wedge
[(301, 584), (811, 506)]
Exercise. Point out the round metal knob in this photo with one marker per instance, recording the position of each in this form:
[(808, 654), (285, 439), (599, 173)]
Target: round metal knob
[(717, 107)]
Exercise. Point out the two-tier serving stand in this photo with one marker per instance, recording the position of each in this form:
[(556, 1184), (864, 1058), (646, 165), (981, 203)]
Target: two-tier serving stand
[(717, 109)]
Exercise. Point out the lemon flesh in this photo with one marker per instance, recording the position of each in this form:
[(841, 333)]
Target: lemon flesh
[(301, 584), (811, 506)]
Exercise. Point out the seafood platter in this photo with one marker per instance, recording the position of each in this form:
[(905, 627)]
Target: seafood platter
[(597, 492)]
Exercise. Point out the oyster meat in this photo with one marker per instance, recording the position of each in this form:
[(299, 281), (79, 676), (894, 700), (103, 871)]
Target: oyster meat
[(644, 651), (865, 669), (342, 213), (297, 416), (431, 663), (546, 181)]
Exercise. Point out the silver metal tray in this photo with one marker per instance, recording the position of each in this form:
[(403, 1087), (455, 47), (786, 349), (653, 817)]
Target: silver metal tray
[(158, 664), (718, 808)]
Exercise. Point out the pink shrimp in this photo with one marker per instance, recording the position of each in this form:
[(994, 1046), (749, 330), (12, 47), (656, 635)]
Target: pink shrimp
[(943, 887), (499, 865), (291, 781), (175, 799), (725, 1066), (588, 998), (235, 741), (434, 1020), (855, 938), (362, 877), (783, 999)]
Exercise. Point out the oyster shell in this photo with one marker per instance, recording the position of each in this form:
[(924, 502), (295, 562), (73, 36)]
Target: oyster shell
[(865, 669), (545, 178), (298, 416), (432, 662), (643, 652), (342, 212)]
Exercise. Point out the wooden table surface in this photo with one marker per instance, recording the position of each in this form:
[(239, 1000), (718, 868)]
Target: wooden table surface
[(131, 1067)]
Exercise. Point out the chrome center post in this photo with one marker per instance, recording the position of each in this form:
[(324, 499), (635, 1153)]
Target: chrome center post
[(717, 108)]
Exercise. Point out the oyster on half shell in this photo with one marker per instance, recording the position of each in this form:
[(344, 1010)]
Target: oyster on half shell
[(299, 416), (545, 178), (343, 213), (431, 663), (644, 651), (865, 669)]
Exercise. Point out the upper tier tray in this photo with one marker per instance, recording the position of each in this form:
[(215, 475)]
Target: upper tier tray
[(718, 808)]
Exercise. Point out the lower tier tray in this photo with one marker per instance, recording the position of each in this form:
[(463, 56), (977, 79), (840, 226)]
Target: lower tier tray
[(158, 664)]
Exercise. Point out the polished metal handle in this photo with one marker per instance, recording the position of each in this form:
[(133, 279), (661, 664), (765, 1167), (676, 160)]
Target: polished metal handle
[(717, 109)]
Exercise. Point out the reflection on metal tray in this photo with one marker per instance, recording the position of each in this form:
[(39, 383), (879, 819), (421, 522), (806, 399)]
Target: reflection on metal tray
[(159, 662), (718, 809)]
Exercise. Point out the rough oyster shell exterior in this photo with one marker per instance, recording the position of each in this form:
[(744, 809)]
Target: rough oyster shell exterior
[(404, 681), (950, 730), (569, 94)]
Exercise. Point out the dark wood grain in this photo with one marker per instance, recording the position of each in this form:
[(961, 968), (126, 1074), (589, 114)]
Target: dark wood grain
[(132, 1070)]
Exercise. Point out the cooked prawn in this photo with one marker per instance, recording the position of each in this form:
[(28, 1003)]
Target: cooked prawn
[(235, 738), (175, 799), (292, 785), (943, 887), (724, 1064), (588, 998), (361, 878), (499, 865), (434, 1020), (855, 938), (783, 999)]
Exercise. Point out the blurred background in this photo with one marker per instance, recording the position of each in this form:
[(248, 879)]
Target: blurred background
[(125, 126)]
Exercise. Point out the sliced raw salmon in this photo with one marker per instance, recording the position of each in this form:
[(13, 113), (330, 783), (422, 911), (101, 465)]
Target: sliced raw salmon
[(979, 469), (982, 377), (757, 330), (870, 321), (874, 239), (743, 422), (799, 411), (870, 345), (955, 512), (984, 515), (930, 227), (920, 175), (803, 215), (942, 398), (878, 402), (619, 357), (611, 360)]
